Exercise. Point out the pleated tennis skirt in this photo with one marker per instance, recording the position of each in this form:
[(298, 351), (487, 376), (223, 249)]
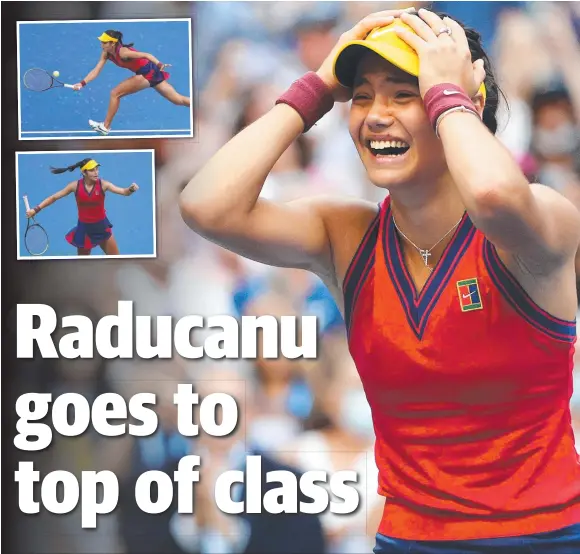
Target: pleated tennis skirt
[(89, 235)]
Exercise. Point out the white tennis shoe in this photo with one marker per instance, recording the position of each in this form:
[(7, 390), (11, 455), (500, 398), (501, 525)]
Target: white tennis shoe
[(99, 127)]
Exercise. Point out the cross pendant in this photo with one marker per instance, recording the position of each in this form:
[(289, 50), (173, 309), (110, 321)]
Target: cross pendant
[(425, 255)]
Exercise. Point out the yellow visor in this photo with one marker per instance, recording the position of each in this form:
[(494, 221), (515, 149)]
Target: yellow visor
[(385, 42), (107, 38), (91, 164)]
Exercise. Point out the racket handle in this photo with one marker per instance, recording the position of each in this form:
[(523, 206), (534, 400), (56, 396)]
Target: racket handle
[(25, 198), (69, 86)]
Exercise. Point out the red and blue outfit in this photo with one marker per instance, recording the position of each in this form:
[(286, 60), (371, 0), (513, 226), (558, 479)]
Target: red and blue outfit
[(469, 382), (139, 66), (93, 226)]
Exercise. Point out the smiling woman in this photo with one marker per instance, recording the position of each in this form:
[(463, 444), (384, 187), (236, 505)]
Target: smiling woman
[(458, 291)]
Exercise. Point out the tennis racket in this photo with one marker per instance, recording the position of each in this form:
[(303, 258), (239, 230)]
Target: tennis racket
[(35, 238), (39, 80)]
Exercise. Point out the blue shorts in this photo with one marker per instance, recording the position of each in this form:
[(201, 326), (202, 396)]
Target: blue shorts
[(562, 541), (153, 74), (89, 235)]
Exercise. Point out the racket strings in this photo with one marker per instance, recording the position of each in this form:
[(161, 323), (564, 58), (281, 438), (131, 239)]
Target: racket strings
[(36, 240), (38, 79)]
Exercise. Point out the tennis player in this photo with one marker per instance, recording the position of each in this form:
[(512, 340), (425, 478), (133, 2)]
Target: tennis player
[(149, 72), (93, 228), (458, 292)]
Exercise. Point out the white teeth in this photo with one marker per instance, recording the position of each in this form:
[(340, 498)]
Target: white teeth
[(380, 144)]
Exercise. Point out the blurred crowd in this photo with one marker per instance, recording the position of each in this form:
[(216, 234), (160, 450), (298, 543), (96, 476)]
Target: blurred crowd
[(299, 415)]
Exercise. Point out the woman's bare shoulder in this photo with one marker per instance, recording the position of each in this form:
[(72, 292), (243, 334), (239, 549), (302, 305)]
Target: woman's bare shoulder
[(346, 220)]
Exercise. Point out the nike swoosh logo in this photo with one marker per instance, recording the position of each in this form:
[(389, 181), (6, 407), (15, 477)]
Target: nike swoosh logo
[(467, 295), (450, 92)]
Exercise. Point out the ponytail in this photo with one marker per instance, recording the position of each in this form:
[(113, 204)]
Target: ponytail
[(119, 36), (58, 170)]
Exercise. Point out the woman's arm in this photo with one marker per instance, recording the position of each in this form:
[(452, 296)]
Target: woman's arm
[(93, 73), (222, 202), (52, 199), (107, 186), (532, 222)]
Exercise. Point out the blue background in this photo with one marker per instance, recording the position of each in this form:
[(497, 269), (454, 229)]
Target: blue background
[(131, 216), (73, 50)]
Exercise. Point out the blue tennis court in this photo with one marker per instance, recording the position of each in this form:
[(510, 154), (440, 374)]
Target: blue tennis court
[(73, 50), (133, 217)]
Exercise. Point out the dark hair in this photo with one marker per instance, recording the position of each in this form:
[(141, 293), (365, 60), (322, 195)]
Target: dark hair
[(57, 170), (493, 92), (119, 36)]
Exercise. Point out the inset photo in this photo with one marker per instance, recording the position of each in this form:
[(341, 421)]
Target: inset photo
[(111, 79), (85, 204)]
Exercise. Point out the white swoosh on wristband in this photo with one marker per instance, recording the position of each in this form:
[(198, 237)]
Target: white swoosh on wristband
[(450, 92)]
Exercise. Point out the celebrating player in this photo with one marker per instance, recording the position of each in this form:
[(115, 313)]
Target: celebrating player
[(149, 72), (93, 228), (458, 291)]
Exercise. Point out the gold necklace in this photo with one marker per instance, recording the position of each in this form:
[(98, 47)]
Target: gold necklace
[(425, 253)]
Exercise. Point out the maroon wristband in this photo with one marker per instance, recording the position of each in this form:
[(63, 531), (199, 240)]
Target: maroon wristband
[(84, 83), (37, 209), (441, 98), (310, 97), (159, 65)]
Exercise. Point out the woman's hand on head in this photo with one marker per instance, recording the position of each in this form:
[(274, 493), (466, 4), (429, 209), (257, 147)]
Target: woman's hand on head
[(358, 32), (443, 57)]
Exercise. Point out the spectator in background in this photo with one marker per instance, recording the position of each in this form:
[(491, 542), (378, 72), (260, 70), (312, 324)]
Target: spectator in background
[(143, 533), (556, 141), (282, 533), (556, 112), (281, 397), (211, 531), (342, 438), (315, 33), (89, 378), (516, 38)]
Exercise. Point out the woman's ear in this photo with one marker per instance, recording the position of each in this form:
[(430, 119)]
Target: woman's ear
[(479, 102), (479, 71), (479, 77)]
